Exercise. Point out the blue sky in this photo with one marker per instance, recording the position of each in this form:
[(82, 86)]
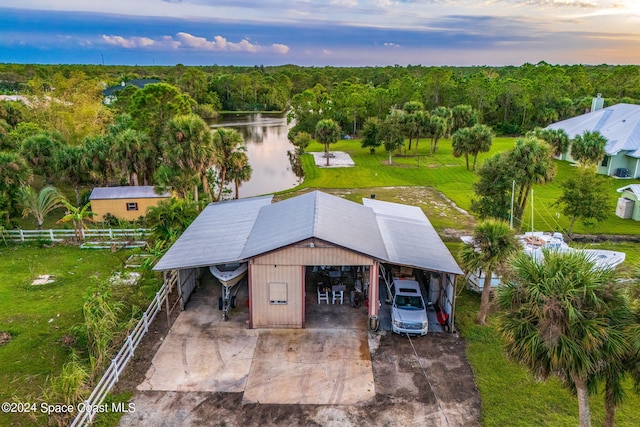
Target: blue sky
[(319, 33)]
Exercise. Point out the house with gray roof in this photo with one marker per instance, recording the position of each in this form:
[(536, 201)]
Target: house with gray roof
[(620, 125), (282, 242), (110, 92), (128, 202)]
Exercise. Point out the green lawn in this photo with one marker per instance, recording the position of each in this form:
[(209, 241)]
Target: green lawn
[(448, 174), (37, 317), (510, 396)]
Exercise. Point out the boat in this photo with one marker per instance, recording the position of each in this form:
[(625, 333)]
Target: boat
[(533, 244), (229, 275)]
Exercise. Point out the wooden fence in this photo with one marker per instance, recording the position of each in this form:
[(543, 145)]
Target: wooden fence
[(102, 234), (118, 364)]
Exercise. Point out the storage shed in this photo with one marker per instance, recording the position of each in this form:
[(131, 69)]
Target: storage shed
[(128, 203), (628, 205), (284, 242)]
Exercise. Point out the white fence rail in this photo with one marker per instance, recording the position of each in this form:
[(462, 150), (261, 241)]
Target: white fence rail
[(61, 235), (111, 375)]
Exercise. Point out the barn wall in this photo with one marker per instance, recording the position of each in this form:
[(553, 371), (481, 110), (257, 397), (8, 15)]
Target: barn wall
[(187, 282), (118, 207), (321, 253), (265, 314)]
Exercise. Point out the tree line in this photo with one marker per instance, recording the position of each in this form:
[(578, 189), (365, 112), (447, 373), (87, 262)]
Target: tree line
[(511, 99)]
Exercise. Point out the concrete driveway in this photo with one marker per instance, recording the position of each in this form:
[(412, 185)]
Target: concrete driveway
[(332, 373), (202, 353)]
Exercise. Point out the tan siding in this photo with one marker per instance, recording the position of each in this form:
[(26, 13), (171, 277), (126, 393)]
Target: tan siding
[(269, 315), (320, 254), (118, 207)]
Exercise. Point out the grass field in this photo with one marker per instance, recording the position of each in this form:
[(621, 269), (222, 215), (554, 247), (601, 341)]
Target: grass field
[(37, 317), (448, 174)]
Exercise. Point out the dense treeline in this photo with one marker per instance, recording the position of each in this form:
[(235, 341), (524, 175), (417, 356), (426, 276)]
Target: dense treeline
[(510, 99)]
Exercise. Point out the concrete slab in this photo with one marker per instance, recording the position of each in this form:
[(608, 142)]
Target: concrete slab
[(337, 159), (319, 367)]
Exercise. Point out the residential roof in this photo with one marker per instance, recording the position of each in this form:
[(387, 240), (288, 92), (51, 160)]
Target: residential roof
[(634, 188), (139, 83), (619, 123), (127, 192), (241, 229)]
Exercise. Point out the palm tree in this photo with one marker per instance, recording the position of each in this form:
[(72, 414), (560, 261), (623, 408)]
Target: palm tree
[(494, 242), (532, 163), (588, 148), (327, 132), (225, 142), (78, 216), (14, 174), (71, 163), (39, 150), (557, 313), (130, 151), (40, 204), (239, 170), (188, 146)]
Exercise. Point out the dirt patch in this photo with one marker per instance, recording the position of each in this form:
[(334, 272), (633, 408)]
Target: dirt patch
[(5, 337)]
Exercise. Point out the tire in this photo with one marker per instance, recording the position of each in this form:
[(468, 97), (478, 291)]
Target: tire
[(233, 301), (220, 303)]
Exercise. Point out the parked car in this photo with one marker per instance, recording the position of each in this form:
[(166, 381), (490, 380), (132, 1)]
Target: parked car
[(408, 311)]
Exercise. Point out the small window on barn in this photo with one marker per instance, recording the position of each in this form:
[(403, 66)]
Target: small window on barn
[(605, 161), (132, 206), (277, 293)]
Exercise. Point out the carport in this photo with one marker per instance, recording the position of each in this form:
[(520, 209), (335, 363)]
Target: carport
[(283, 241)]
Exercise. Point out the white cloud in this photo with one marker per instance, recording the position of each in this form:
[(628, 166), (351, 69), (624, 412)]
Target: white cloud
[(131, 42), (346, 3), (280, 48), (391, 44), (189, 41)]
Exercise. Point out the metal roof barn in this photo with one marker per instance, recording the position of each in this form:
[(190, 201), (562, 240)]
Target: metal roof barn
[(280, 240)]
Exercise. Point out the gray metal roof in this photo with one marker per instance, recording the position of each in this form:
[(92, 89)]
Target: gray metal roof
[(634, 188), (620, 124), (319, 215), (410, 239), (128, 192), (241, 229), (217, 235)]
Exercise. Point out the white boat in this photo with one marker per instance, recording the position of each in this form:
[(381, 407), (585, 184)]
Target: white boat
[(533, 243), (229, 274)]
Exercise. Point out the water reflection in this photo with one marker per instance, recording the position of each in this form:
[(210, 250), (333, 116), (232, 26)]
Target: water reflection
[(265, 136)]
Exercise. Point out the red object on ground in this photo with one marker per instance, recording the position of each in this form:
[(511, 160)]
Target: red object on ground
[(366, 302), (442, 317)]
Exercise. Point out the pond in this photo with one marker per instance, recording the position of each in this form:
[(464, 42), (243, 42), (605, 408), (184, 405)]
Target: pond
[(265, 135)]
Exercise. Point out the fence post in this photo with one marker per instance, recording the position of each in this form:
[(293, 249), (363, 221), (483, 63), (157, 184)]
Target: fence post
[(146, 322), (21, 235), (51, 236), (110, 234), (130, 343), (114, 365)]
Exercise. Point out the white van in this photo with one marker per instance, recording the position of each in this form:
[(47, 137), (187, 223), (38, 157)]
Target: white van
[(408, 312)]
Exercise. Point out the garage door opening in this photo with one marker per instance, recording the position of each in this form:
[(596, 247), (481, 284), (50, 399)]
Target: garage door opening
[(336, 297)]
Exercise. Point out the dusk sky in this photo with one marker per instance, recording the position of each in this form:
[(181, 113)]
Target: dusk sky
[(319, 33)]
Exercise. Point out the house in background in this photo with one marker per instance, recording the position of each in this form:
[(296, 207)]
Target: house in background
[(110, 92), (128, 203), (620, 125), (629, 202)]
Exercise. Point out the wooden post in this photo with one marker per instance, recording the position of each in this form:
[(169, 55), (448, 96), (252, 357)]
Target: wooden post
[(165, 275)]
